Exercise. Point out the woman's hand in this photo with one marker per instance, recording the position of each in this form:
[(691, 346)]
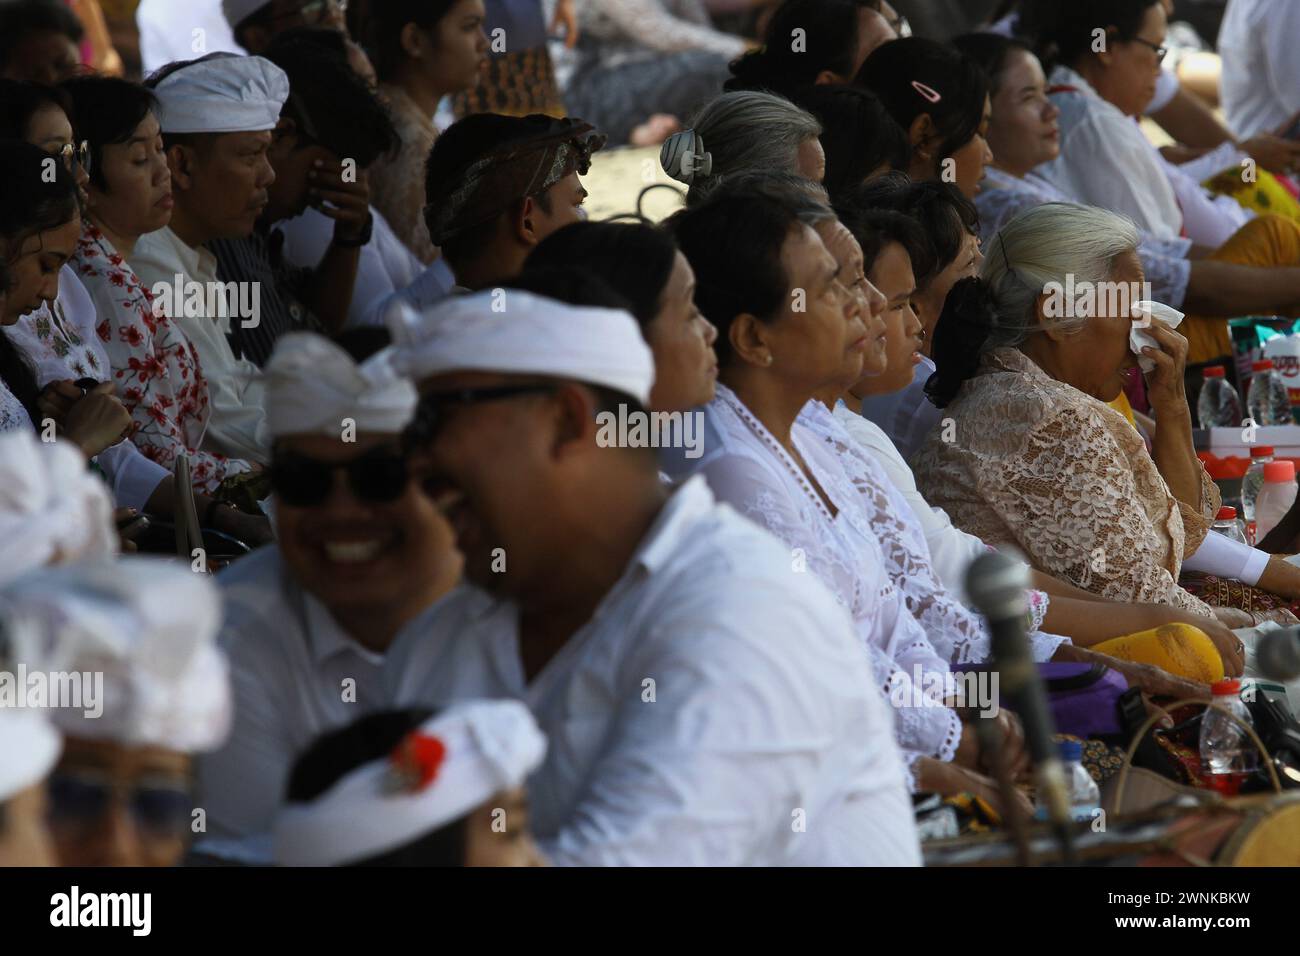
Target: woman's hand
[(1165, 387), (566, 17), (949, 780), (57, 399), (97, 421), (1011, 735)]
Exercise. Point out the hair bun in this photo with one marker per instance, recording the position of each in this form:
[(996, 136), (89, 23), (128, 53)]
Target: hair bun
[(683, 157)]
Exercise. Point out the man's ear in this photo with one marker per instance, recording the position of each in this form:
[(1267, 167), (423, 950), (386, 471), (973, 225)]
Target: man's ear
[(827, 78), (750, 340), (411, 40), (180, 160), (575, 416), (525, 222), (1107, 53)]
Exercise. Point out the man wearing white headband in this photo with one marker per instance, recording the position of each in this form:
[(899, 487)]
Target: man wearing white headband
[(216, 115), (136, 685), (403, 788), (704, 701), (361, 553)]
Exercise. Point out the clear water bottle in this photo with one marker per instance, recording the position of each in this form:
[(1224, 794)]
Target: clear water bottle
[(1228, 755), (1226, 523), (1085, 798), (1276, 497), (1253, 480), (1218, 405), (1267, 400)]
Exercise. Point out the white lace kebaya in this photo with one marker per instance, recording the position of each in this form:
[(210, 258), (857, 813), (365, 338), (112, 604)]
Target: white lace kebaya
[(955, 631), (749, 469)]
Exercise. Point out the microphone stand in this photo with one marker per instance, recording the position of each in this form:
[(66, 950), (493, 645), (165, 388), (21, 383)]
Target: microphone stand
[(991, 745)]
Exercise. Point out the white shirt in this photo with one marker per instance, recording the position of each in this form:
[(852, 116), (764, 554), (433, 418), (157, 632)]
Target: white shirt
[(906, 416), (172, 30), (289, 664), (237, 426), (431, 286), (758, 742), (1107, 161), (385, 264), (1261, 72), (951, 549), (70, 327), (748, 469)]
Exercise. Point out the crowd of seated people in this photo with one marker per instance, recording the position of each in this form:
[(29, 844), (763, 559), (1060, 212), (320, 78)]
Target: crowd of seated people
[(653, 533)]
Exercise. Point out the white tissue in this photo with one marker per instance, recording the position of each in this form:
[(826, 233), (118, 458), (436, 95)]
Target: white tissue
[(1137, 337)]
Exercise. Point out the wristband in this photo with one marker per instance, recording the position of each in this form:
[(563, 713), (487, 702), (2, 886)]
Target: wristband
[(361, 240)]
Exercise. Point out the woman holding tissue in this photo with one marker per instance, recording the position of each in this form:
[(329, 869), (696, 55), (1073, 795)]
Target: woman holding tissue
[(1037, 459)]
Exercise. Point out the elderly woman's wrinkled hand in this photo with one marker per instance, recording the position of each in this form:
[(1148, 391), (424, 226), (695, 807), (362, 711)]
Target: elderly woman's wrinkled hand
[(1165, 388)]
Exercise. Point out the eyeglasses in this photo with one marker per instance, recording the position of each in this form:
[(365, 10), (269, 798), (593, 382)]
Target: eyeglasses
[(1160, 51), (379, 476), (80, 801), (79, 154), (429, 413)]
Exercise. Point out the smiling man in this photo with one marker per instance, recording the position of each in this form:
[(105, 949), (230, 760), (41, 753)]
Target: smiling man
[(361, 554), (216, 115)]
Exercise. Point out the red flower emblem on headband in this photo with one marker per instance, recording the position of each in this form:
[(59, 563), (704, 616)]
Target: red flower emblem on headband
[(416, 760)]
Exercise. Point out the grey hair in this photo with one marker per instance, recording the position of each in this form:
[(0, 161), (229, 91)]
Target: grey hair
[(749, 130), (807, 199), (1044, 245)]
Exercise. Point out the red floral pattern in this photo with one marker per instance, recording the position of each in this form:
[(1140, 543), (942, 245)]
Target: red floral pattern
[(155, 366)]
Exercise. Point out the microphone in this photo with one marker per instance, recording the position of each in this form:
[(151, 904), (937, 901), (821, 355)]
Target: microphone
[(996, 584), (1277, 654)]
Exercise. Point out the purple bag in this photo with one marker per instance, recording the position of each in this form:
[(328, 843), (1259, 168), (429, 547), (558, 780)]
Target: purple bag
[(1084, 696)]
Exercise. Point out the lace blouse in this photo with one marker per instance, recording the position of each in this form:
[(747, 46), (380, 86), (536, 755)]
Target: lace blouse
[(1040, 465), (13, 416), (958, 634), (749, 469), (397, 181)]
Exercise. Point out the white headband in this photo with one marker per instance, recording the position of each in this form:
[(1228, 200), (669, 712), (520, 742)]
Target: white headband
[(313, 387), (455, 762)]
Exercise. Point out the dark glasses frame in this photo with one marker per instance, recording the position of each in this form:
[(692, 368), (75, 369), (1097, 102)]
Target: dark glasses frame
[(424, 426), (377, 476), (143, 799)]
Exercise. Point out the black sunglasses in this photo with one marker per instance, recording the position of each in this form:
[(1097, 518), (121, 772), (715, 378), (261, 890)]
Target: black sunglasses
[(429, 414), (80, 801), (378, 476)]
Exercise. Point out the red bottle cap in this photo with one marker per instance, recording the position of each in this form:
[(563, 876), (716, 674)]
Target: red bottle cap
[(1261, 365), (1226, 513), (1222, 688), (1260, 451), (1279, 471), (1212, 371)]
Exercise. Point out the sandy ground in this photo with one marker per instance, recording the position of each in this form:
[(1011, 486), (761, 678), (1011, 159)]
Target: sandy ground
[(617, 176)]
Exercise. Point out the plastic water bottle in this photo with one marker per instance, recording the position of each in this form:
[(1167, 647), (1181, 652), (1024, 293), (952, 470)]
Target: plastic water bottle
[(1253, 480), (1226, 523), (1085, 798), (1218, 405), (1275, 498), (1267, 398), (1228, 755)]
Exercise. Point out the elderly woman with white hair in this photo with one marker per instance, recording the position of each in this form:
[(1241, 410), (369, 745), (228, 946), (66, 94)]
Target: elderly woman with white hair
[(1038, 459), (742, 132)]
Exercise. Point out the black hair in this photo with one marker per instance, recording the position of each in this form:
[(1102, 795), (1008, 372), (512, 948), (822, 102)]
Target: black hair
[(989, 51), (969, 315), (21, 100), (828, 41), (337, 753), (945, 215), (734, 244), (875, 229), (569, 283), (21, 18), (893, 72), (634, 259), (858, 134), (106, 111), (40, 195), (1063, 32), (332, 105), (463, 143), (377, 25)]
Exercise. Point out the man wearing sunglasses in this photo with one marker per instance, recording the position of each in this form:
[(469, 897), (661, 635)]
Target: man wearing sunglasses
[(697, 697), (142, 688), (361, 554)]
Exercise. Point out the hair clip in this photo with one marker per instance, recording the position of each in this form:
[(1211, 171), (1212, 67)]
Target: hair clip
[(683, 157), (928, 92)]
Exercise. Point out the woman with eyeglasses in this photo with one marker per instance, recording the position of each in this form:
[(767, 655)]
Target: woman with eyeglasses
[(422, 50)]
